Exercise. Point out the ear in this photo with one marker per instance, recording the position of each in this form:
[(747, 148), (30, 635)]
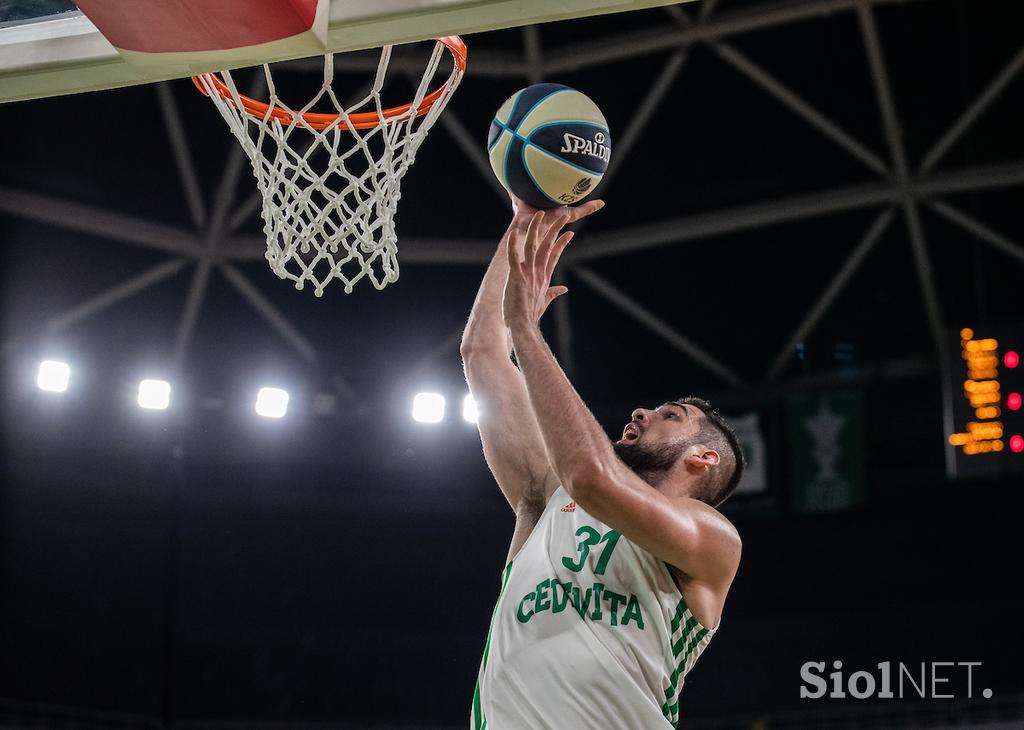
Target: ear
[(703, 459)]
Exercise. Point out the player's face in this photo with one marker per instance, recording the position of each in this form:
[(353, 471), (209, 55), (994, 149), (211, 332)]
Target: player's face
[(666, 424)]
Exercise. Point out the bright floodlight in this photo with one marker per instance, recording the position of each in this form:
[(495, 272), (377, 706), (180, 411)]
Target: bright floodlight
[(272, 402), (428, 407), (53, 376), (154, 394), (469, 409)]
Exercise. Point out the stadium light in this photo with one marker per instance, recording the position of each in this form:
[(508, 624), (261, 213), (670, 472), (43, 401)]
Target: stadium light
[(272, 402), (154, 395), (469, 409), (53, 376), (428, 408)]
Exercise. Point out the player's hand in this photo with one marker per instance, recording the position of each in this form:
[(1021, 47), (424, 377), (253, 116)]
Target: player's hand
[(561, 216), (533, 252)]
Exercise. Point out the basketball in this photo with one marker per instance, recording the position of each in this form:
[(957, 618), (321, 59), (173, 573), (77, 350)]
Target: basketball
[(549, 145)]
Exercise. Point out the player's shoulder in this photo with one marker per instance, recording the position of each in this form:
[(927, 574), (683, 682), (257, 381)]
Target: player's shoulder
[(712, 524)]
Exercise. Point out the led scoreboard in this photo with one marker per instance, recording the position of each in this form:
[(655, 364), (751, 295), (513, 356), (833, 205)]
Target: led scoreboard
[(984, 414)]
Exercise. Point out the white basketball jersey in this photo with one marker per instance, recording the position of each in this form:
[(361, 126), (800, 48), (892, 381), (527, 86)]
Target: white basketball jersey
[(589, 631)]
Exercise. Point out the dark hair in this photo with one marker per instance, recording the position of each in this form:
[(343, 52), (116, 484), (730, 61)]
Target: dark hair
[(718, 435)]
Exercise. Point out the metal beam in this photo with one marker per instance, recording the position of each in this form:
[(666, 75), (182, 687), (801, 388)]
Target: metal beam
[(979, 105), (241, 214), (619, 46), (447, 251), (929, 294), (563, 327), (639, 121), (270, 313), (706, 9), (745, 217), (474, 150), (212, 238), (225, 196), (642, 117), (894, 137), (790, 99), (658, 326), (496, 63), (996, 239), (987, 177), (94, 221), (729, 220), (197, 289), (534, 62), (883, 90), (424, 363), (112, 296), (786, 96), (182, 155), (190, 312), (831, 291), (678, 14)]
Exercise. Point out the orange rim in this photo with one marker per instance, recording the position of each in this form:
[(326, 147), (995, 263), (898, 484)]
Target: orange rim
[(362, 120)]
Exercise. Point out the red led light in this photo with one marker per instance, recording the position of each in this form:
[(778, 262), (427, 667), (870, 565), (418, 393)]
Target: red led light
[(1013, 401), (1011, 359), (1017, 444)]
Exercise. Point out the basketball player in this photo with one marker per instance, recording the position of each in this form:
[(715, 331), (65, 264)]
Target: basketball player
[(619, 563)]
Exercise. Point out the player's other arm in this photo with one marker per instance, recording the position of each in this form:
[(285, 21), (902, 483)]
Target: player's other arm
[(509, 433), (512, 443)]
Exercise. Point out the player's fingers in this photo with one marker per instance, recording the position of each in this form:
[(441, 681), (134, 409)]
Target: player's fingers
[(513, 245), (554, 219), (552, 294), (533, 239), (556, 251), (582, 211)]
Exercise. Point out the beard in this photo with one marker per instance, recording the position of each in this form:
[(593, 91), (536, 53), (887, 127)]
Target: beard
[(650, 463)]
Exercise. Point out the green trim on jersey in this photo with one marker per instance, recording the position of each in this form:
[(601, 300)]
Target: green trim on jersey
[(477, 719), (682, 648)]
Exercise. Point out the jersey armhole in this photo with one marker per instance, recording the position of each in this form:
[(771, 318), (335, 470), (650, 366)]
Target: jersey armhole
[(682, 607), (547, 508)]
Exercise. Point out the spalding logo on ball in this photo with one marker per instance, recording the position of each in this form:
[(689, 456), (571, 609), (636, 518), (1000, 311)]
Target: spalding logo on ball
[(549, 145)]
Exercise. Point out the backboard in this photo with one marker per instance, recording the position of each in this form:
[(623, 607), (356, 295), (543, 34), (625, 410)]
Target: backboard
[(50, 47)]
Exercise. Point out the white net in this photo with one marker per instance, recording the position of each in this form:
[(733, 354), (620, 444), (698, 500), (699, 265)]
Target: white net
[(330, 188)]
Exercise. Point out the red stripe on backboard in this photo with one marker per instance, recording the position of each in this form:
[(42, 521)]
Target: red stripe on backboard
[(163, 26)]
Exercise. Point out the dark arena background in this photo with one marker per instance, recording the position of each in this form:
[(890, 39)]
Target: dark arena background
[(813, 219)]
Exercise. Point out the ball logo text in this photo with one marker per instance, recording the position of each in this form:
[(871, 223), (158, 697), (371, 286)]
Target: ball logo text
[(581, 145)]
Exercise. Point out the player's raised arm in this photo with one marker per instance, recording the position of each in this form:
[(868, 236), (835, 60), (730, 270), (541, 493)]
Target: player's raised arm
[(511, 438), (676, 527)]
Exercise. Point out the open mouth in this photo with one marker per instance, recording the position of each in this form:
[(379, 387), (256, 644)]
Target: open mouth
[(631, 432)]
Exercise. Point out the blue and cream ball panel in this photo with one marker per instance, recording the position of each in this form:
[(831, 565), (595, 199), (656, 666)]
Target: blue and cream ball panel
[(549, 145)]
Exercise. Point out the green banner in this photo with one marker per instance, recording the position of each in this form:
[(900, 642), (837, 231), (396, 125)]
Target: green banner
[(825, 435)]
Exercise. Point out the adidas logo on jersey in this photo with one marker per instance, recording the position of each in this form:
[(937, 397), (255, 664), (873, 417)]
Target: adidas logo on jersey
[(571, 507)]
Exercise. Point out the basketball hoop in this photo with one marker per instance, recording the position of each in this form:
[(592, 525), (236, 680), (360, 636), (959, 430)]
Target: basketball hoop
[(333, 218)]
